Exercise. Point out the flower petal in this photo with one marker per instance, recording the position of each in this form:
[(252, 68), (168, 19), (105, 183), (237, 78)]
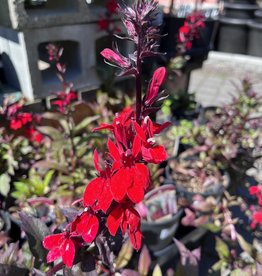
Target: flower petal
[(92, 191), (67, 250), (136, 239), (116, 58), (120, 182), (155, 155), (140, 183), (96, 161), (86, 225), (113, 150), (52, 241), (158, 79), (53, 255), (114, 219), (140, 132), (136, 146)]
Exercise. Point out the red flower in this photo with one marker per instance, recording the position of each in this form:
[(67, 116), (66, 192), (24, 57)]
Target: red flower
[(86, 225), (190, 30), (116, 58), (127, 218), (256, 219), (60, 245), (64, 99), (103, 24), (254, 190), (151, 152), (131, 179), (97, 194), (15, 124), (111, 6), (20, 120), (34, 135), (158, 79), (121, 128)]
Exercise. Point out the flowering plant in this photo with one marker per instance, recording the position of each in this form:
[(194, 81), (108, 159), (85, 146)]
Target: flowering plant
[(107, 207)]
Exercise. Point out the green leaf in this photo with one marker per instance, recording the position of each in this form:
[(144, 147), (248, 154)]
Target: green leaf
[(22, 186), (50, 165), (35, 230), (52, 132), (144, 261), (244, 245), (222, 249), (48, 178), (4, 184), (157, 271), (212, 227), (218, 265), (18, 195), (239, 272), (124, 255), (53, 116), (84, 123)]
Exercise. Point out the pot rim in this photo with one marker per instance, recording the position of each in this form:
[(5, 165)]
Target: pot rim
[(238, 6), (164, 223)]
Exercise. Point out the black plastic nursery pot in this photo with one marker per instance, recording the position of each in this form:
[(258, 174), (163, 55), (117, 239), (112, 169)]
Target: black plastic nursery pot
[(233, 34), (187, 196), (184, 194), (158, 235), (239, 11), (170, 27), (35, 3), (201, 46), (251, 2), (258, 16), (255, 38), (184, 112)]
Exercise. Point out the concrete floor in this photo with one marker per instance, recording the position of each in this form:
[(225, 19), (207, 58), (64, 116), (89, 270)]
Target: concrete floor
[(221, 75)]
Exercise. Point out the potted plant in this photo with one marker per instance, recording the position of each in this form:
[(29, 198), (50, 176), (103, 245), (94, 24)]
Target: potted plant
[(176, 20), (160, 217), (196, 175)]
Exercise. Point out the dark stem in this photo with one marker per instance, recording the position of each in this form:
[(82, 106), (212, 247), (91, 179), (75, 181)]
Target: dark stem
[(73, 152), (138, 81), (171, 6), (56, 268)]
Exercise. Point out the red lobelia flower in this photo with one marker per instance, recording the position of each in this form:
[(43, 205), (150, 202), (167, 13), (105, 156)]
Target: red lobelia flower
[(256, 219), (121, 128), (86, 225), (151, 152), (97, 194), (127, 218), (254, 190), (131, 179), (103, 24), (64, 99), (19, 120), (111, 6), (34, 135), (158, 79), (116, 58), (60, 245), (190, 30)]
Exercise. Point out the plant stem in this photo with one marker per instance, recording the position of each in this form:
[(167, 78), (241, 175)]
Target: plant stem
[(138, 81), (56, 268), (171, 7)]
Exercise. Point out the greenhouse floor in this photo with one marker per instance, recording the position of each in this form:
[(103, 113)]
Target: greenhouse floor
[(221, 75)]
